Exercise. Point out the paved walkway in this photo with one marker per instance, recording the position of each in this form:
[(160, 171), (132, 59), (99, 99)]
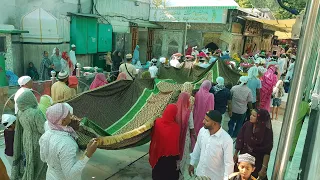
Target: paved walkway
[(133, 163)]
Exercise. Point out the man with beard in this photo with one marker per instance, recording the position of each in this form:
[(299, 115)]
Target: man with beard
[(60, 91), (213, 149)]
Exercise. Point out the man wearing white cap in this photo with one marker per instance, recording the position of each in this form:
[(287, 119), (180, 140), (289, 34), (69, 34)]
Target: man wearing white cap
[(60, 90), (128, 68), (73, 58), (25, 83), (241, 99)]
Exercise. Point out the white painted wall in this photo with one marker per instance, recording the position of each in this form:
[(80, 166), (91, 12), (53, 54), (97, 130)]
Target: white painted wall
[(11, 11)]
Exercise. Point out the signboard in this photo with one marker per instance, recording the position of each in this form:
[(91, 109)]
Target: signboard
[(191, 15), (253, 28)]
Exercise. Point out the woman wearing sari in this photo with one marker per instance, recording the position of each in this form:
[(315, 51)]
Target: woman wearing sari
[(188, 88), (164, 147), (99, 80), (66, 63), (46, 67), (32, 72), (204, 102), (185, 120), (256, 139), (269, 80), (29, 128)]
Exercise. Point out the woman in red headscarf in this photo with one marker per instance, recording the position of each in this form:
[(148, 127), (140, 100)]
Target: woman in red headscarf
[(99, 80), (164, 147), (66, 63), (185, 120)]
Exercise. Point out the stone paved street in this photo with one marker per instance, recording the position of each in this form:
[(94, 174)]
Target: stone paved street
[(133, 163)]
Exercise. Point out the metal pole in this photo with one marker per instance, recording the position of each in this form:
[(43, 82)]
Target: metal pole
[(185, 39), (297, 89)]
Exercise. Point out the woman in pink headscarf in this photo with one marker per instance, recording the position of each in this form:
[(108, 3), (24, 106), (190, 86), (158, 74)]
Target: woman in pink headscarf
[(269, 80), (99, 80), (204, 102), (185, 120), (58, 147)]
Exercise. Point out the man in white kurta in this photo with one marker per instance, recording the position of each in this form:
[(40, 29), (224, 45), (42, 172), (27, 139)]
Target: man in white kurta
[(72, 55), (25, 83), (213, 150)]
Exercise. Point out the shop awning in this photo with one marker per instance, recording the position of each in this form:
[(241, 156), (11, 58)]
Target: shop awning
[(198, 11), (284, 25), (284, 35)]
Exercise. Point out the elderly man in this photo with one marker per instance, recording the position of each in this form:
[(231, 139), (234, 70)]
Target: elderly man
[(73, 58), (213, 149), (128, 68), (25, 83), (56, 59), (241, 99), (60, 91)]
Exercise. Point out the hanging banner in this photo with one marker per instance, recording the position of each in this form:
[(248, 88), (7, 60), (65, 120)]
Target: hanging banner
[(191, 15)]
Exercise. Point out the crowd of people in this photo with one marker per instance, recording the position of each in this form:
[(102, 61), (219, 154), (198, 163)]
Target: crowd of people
[(196, 134), (197, 124)]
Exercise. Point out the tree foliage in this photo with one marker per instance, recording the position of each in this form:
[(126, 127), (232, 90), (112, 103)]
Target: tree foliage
[(278, 12), (244, 3)]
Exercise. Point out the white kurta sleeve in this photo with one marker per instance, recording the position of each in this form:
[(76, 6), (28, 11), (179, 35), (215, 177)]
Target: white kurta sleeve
[(195, 155), (71, 166), (228, 158), (191, 124)]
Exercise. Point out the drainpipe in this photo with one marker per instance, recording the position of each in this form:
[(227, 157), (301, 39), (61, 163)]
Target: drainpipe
[(297, 88), (79, 6)]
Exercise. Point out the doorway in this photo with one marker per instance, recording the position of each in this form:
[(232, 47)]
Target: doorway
[(212, 47), (142, 42)]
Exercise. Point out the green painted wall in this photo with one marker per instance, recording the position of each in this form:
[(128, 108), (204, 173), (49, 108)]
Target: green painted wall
[(104, 38), (83, 33)]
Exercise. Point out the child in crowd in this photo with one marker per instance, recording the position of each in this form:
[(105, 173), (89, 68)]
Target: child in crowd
[(246, 166), (278, 93), (8, 121)]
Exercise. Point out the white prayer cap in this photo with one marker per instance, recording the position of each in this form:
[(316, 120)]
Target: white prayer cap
[(63, 75), (8, 119), (23, 80), (220, 80), (243, 80), (247, 158), (73, 46)]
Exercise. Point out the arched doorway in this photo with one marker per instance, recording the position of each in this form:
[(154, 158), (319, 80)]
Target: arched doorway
[(212, 46), (173, 47)]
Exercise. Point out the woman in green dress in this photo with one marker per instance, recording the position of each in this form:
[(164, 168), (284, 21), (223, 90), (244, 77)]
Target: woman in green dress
[(29, 128)]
